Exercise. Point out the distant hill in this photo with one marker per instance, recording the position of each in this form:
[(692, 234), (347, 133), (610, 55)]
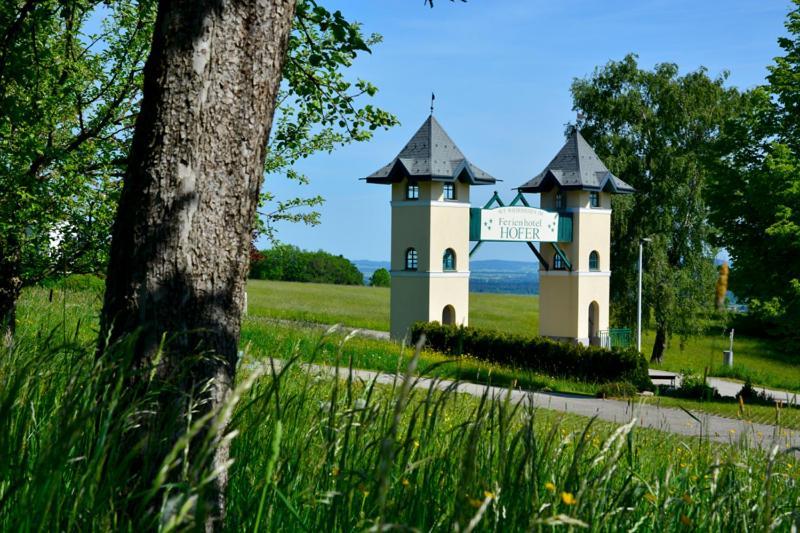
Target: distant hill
[(488, 275)]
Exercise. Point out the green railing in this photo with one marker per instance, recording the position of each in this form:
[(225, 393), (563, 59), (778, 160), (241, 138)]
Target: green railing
[(616, 338)]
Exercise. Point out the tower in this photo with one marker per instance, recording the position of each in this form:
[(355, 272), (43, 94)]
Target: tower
[(574, 280), (430, 180)]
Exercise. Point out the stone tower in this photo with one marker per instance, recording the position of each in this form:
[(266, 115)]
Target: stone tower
[(574, 278), (430, 180)]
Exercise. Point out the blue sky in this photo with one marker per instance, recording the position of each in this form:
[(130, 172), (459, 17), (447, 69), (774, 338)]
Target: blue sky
[(501, 71)]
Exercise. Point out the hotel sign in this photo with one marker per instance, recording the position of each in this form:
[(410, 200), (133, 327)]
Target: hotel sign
[(518, 224)]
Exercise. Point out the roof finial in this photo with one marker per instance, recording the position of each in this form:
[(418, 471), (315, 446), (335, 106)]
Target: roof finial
[(580, 116), (433, 97)]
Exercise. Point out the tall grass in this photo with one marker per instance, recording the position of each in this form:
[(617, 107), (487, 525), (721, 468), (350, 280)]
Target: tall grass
[(326, 451)]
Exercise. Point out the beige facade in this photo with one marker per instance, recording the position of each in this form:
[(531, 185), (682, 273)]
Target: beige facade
[(430, 226), (574, 304)]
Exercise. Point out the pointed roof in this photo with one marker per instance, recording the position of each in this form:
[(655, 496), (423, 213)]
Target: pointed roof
[(577, 167), (431, 155)]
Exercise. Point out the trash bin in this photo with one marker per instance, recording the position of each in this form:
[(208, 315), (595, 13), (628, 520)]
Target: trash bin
[(727, 357)]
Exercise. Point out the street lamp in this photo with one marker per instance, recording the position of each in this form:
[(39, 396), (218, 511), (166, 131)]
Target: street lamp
[(639, 314)]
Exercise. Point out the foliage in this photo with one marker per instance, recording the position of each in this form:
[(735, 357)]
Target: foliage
[(755, 200), (316, 453), (380, 278), (693, 386), (289, 263), (537, 353), (318, 108), (68, 99), (655, 129), (721, 288)]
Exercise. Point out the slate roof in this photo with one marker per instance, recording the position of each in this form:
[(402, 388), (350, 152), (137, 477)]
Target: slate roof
[(431, 155), (577, 167)]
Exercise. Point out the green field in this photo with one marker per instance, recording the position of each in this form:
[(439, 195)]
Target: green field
[(368, 307), (315, 453)]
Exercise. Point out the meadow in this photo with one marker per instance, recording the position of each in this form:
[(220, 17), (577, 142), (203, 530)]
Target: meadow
[(368, 307), (312, 452)]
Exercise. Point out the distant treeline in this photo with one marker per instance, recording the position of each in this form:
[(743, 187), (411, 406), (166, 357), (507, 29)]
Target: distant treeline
[(289, 263)]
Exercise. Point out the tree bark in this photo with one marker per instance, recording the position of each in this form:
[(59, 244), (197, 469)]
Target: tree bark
[(179, 252), (10, 287), (660, 344)]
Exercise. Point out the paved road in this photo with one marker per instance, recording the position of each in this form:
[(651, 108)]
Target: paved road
[(715, 428)]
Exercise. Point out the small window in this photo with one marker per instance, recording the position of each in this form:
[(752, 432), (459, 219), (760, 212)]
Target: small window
[(558, 263), (594, 199), (412, 259), (594, 261), (561, 200), (412, 191), (449, 260), (449, 191)]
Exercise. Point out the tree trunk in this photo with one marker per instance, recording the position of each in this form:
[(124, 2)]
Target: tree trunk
[(660, 344), (10, 287), (179, 252)]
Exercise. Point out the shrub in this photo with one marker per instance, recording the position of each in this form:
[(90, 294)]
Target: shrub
[(290, 263), (538, 354), (693, 387), (380, 278)]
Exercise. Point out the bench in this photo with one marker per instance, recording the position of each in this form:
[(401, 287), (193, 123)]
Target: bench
[(664, 377)]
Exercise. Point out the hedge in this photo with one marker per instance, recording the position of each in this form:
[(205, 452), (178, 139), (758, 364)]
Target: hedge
[(539, 354)]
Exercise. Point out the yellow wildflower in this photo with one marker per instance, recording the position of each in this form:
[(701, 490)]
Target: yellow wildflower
[(487, 494), (405, 482), (335, 471), (650, 497), (568, 498), (549, 486), (416, 444)]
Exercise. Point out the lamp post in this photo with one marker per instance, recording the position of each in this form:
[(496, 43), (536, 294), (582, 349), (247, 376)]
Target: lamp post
[(639, 313)]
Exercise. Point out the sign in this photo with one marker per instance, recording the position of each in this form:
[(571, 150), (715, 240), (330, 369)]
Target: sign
[(516, 223)]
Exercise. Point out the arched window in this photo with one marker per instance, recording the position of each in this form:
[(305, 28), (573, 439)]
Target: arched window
[(594, 261), (412, 259), (449, 260), (558, 263)]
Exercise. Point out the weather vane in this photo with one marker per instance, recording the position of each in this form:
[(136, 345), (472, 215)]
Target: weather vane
[(433, 97)]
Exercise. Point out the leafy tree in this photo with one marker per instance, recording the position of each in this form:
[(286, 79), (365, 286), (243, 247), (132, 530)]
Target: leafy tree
[(755, 198), (381, 278), (178, 259), (657, 130), (65, 125), (67, 102)]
